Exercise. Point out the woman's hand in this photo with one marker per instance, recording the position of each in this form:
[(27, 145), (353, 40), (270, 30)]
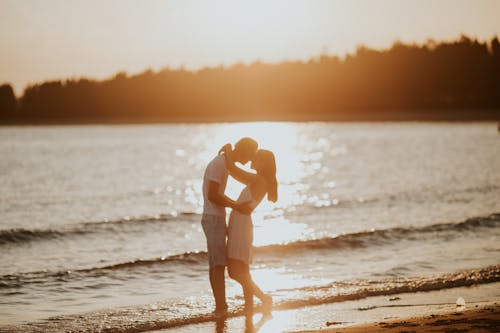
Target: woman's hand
[(226, 149), (243, 208)]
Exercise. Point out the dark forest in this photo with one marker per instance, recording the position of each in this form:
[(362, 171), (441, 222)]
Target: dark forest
[(456, 80)]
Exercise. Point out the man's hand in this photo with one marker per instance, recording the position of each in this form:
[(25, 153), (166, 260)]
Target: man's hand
[(243, 208)]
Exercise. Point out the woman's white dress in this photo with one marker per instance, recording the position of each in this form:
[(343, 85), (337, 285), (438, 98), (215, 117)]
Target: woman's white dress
[(240, 230)]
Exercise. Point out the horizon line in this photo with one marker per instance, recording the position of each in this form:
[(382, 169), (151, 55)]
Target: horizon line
[(196, 69)]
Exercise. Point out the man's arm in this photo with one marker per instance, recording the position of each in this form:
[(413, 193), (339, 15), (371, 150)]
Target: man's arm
[(240, 175), (217, 198), (223, 200)]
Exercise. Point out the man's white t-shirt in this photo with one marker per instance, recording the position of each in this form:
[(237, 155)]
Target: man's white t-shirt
[(216, 171)]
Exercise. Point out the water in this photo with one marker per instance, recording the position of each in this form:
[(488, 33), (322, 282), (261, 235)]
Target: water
[(94, 218)]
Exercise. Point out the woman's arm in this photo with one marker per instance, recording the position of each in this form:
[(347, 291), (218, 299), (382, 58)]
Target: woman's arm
[(258, 188), (237, 173)]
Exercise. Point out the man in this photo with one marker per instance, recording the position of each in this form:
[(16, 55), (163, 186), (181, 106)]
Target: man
[(214, 215)]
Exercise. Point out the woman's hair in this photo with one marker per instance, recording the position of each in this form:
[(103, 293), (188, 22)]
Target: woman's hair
[(268, 171)]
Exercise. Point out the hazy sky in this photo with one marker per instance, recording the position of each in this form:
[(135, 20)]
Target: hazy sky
[(52, 39)]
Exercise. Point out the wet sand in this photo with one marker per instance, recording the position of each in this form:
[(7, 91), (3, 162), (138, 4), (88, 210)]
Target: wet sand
[(486, 319)]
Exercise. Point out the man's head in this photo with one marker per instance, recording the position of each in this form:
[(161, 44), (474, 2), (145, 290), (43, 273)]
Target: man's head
[(244, 150)]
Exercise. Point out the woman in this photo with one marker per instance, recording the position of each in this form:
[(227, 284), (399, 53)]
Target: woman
[(240, 229)]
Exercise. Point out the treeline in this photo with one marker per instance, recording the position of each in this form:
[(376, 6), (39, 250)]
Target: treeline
[(446, 80)]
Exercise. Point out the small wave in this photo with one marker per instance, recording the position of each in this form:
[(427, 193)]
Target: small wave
[(359, 289), (141, 220), (179, 313), (41, 277), (185, 258), (376, 237), (20, 235), (24, 235)]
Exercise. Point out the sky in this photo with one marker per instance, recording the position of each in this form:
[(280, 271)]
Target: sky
[(59, 39)]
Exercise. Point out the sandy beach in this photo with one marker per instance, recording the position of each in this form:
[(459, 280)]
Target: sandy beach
[(486, 319)]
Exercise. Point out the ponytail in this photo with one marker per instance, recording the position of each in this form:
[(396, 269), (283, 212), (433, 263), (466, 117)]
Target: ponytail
[(272, 189), (269, 173)]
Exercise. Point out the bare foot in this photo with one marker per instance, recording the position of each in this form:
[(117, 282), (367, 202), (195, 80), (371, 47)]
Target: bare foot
[(267, 304)]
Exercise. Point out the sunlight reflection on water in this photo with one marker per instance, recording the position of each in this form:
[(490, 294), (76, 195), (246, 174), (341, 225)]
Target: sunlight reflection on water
[(279, 322), (277, 230), (283, 140)]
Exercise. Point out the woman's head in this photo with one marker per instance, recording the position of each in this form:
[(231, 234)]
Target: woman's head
[(265, 165)]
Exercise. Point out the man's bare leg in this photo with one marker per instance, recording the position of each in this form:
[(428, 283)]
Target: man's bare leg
[(218, 284)]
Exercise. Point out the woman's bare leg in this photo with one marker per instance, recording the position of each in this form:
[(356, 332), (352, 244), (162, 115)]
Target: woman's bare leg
[(240, 271), (267, 300)]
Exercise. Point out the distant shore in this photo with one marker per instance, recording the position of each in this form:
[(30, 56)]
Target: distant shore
[(461, 115), (436, 81)]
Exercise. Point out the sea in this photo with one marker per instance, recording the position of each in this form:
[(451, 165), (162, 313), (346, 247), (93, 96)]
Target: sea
[(103, 221)]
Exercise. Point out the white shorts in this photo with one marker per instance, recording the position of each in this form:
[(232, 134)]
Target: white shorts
[(215, 231)]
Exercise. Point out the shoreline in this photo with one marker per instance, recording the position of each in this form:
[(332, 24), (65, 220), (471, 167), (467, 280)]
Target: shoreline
[(464, 115), (363, 315), (145, 122)]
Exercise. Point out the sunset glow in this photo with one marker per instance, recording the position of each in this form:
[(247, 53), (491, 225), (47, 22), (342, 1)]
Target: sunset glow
[(55, 39)]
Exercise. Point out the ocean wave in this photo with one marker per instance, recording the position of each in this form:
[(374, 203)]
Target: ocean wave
[(170, 314), (19, 280), (21, 235), (381, 236), (344, 241), (24, 235), (358, 289)]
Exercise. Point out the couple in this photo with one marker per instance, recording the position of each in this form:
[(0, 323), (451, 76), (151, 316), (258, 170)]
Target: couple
[(236, 253)]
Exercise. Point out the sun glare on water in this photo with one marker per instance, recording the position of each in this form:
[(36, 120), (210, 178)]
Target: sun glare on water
[(281, 138)]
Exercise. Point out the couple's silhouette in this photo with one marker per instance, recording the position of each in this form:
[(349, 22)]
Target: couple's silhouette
[(231, 245)]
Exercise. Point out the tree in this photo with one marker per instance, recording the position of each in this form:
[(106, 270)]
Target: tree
[(8, 102), (495, 47)]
